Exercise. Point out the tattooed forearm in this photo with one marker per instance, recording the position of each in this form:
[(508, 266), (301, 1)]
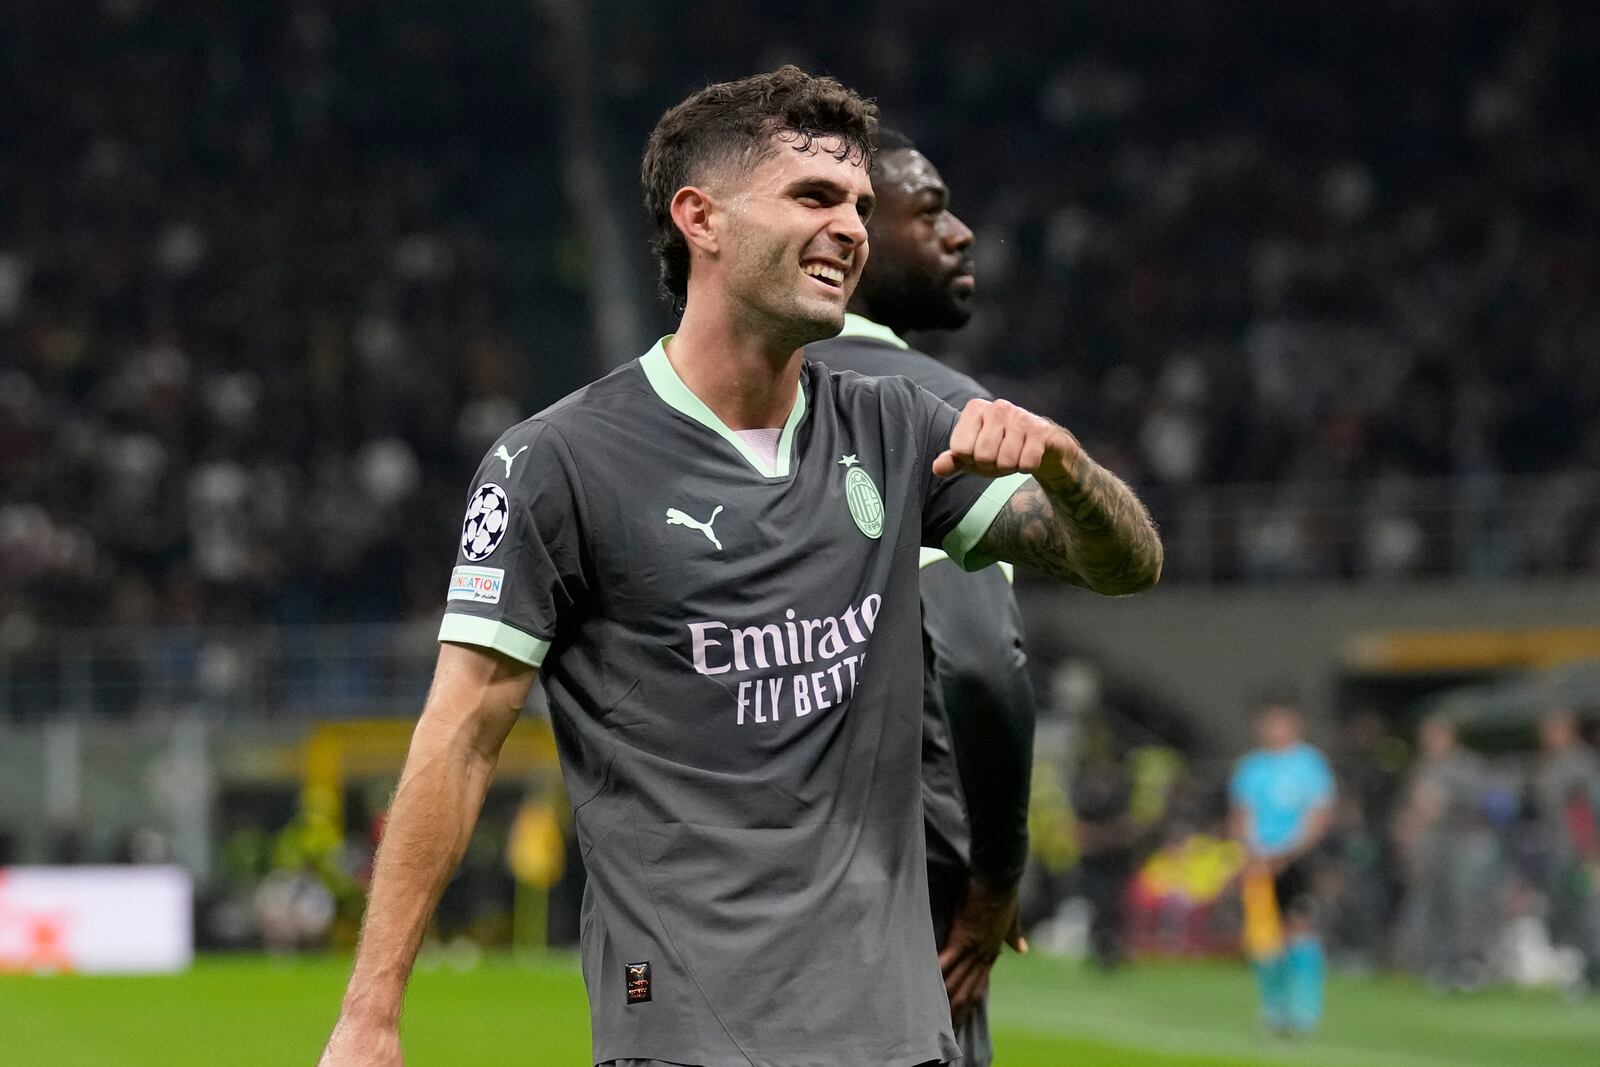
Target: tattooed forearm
[(1090, 530)]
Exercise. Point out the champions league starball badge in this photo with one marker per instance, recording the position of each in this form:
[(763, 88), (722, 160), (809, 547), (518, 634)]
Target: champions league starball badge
[(485, 524)]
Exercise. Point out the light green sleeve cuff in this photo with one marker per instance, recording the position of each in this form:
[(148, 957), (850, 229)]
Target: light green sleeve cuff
[(977, 520), (491, 633)]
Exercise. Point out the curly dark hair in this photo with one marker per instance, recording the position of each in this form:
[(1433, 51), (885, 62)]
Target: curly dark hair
[(740, 123)]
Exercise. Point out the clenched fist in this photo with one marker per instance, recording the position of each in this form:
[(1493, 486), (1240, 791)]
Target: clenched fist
[(995, 438)]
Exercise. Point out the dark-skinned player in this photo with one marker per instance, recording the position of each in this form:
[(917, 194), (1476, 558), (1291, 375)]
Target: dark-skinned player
[(978, 716)]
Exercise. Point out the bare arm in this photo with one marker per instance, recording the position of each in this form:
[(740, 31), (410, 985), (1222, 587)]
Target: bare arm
[(1091, 531), (475, 699), (1074, 519)]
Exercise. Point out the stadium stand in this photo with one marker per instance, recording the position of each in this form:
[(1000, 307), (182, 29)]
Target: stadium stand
[(264, 294)]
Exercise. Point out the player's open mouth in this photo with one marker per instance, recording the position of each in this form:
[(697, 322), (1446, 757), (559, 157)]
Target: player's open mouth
[(826, 273)]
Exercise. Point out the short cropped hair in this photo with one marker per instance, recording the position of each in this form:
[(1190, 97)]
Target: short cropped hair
[(888, 139), (735, 124)]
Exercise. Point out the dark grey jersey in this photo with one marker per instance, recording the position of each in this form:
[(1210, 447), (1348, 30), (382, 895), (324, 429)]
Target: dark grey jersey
[(978, 707), (726, 647)]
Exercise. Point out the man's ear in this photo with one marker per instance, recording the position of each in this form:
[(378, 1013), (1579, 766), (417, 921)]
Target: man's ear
[(692, 211)]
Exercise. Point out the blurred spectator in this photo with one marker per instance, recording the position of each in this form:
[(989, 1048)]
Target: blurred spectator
[(1102, 793), (1370, 764), (294, 910), (1350, 884), (1450, 858), (1566, 800), (1177, 897)]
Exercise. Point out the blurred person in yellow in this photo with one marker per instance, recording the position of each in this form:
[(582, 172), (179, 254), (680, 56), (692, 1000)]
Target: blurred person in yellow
[(536, 855), (1282, 796)]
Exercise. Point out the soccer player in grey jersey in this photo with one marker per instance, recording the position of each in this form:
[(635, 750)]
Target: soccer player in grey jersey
[(724, 636), (978, 708)]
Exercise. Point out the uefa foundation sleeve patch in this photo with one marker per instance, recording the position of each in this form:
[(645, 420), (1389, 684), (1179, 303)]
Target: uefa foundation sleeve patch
[(638, 982), (481, 585)]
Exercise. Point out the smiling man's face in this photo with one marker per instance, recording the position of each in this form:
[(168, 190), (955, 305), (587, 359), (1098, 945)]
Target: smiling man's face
[(921, 277), (796, 238)]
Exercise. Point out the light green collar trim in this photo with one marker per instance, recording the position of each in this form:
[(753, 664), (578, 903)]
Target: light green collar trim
[(670, 388), (861, 326)]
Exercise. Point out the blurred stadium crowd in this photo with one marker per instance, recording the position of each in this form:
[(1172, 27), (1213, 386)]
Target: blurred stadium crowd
[(270, 278), (251, 333)]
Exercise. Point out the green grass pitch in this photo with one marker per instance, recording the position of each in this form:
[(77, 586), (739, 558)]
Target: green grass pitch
[(247, 1011)]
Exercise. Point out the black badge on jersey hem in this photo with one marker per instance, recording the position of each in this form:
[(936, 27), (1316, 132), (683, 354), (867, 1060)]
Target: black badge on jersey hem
[(637, 979)]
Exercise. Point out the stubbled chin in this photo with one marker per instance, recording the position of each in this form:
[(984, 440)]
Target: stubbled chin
[(832, 314), (823, 321)]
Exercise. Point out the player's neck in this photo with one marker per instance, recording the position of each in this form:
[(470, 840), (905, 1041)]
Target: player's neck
[(746, 379)]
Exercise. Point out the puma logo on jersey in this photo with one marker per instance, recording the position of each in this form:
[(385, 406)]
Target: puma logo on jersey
[(501, 453), (678, 518)]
